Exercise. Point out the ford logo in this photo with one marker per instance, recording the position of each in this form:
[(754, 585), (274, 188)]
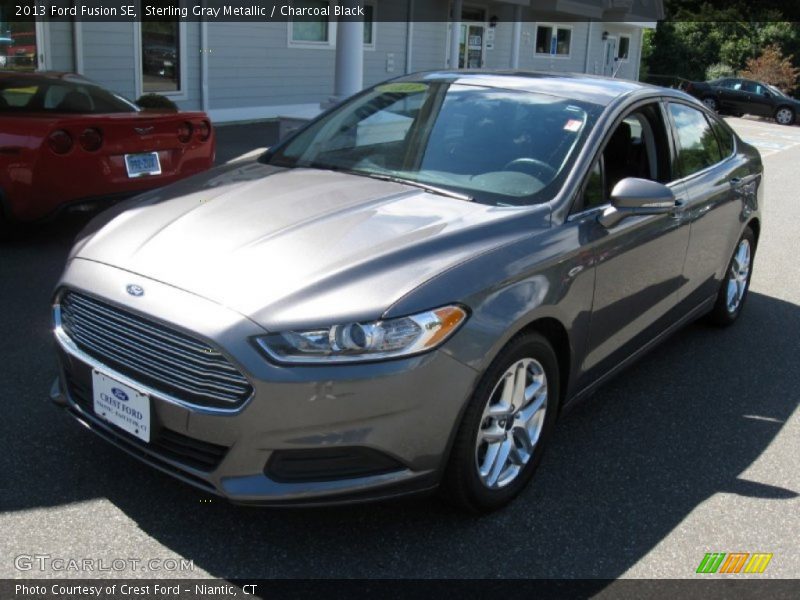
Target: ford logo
[(119, 394), (135, 290)]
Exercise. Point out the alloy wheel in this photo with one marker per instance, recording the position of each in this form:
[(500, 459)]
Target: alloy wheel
[(710, 103), (738, 276), (511, 424)]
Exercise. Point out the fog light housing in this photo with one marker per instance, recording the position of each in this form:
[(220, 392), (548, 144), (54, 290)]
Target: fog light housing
[(328, 464)]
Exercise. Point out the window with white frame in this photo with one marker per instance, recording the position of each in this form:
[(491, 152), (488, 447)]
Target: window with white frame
[(163, 47), (553, 40), (314, 29), (624, 47), (369, 24), (319, 31)]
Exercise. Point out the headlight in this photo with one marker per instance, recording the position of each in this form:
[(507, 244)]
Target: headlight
[(353, 342)]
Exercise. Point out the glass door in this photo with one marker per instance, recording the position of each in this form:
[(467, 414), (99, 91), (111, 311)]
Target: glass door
[(472, 46), (18, 46)]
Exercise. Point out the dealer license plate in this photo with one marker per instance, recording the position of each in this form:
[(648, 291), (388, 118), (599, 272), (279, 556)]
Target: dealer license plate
[(121, 405)]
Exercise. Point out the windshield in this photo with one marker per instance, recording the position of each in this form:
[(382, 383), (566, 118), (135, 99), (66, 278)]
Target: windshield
[(41, 95), (497, 146), (775, 90)]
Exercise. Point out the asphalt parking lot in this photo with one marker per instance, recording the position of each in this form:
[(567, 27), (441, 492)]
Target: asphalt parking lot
[(692, 450)]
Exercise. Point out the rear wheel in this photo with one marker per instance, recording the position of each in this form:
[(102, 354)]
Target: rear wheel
[(711, 103), (506, 426), (784, 115), (5, 226), (733, 291)]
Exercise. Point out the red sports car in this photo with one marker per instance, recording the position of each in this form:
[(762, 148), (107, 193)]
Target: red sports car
[(66, 141)]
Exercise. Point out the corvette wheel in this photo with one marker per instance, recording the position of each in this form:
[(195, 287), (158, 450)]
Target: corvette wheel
[(5, 227)]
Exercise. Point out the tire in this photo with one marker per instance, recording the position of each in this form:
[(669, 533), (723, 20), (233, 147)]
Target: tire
[(736, 283), (529, 355), (784, 116), (5, 226), (711, 103)]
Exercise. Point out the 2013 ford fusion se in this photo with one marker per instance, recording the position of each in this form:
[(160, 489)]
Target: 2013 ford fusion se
[(405, 293)]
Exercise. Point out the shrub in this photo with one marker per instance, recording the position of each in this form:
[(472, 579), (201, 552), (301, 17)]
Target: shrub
[(718, 71), (156, 102), (772, 67)]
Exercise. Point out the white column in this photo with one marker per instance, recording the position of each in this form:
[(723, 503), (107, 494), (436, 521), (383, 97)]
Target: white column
[(455, 33), (409, 36), (204, 50), (516, 37), (589, 41), (349, 75), (77, 46)]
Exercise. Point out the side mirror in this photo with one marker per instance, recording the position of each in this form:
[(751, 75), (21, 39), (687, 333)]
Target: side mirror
[(633, 196)]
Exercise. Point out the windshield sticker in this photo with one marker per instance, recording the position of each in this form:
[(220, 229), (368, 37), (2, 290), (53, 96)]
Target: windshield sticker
[(403, 88), (573, 125)]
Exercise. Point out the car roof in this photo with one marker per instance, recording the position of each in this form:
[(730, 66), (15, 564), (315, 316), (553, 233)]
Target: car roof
[(577, 86), (44, 75)]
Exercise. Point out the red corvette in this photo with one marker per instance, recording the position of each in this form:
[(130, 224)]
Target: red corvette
[(66, 141)]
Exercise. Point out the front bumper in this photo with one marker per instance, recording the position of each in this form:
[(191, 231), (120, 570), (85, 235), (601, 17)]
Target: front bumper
[(404, 410)]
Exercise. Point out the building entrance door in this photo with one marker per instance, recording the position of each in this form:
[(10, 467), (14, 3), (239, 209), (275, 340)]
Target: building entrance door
[(609, 56), (472, 48)]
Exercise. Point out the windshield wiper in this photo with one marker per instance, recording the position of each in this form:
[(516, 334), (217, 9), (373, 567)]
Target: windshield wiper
[(431, 189)]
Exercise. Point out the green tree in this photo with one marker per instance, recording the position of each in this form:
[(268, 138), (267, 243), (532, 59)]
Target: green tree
[(700, 36)]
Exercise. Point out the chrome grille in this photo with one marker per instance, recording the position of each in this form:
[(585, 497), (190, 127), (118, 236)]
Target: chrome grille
[(147, 351)]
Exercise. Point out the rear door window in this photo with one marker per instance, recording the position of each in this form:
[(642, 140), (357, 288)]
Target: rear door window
[(697, 144), (724, 137)]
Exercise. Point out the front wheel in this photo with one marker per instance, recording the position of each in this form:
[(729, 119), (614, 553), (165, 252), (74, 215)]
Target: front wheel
[(784, 116), (711, 103), (733, 291), (506, 426)]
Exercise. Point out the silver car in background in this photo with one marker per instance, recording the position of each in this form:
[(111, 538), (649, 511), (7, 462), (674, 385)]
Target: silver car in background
[(406, 293)]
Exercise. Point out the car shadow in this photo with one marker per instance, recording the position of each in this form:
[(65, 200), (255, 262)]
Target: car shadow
[(624, 468), (237, 139)]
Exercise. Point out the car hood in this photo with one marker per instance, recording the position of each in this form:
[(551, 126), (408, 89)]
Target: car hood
[(296, 247)]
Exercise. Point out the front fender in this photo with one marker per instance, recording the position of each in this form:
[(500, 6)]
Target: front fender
[(543, 275)]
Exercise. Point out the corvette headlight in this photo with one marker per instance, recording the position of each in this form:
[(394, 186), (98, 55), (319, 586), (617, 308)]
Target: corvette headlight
[(353, 342)]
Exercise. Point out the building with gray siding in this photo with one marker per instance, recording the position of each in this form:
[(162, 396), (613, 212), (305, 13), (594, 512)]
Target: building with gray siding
[(254, 70)]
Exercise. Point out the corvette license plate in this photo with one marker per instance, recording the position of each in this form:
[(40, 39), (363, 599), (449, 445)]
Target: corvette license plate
[(141, 165)]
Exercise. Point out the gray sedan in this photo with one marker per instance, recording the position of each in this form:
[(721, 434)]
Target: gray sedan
[(406, 293)]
